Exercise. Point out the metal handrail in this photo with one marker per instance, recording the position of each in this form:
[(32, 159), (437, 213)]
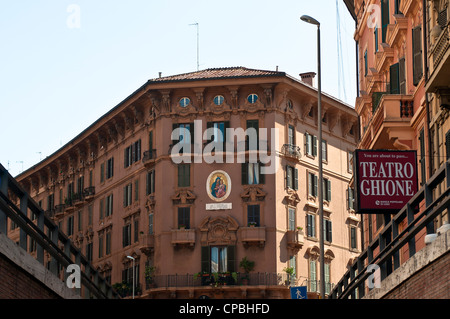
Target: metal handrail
[(99, 288), (390, 241)]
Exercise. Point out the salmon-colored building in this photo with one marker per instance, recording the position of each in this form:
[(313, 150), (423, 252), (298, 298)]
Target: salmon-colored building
[(403, 85), (189, 228)]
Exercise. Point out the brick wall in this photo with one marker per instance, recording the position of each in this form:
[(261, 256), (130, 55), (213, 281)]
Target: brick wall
[(16, 283), (431, 282)]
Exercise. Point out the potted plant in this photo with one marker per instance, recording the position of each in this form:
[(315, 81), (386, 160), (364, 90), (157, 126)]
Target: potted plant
[(251, 224), (248, 266), (148, 273), (290, 272), (182, 226)]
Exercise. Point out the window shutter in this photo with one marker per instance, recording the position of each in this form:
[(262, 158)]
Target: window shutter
[(328, 190), (384, 19), (310, 184), (309, 225), (330, 238), (447, 143), (295, 179), (316, 192), (102, 172), (244, 174), (262, 177), (125, 196), (206, 259), (417, 55), (394, 79), (288, 177), (402, 76), (231, 258), (314, 145)]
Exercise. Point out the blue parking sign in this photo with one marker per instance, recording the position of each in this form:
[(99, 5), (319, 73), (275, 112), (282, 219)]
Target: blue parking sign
[(298, 292)]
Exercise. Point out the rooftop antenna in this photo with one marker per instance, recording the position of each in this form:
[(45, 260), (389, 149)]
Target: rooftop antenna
[(198, 65)]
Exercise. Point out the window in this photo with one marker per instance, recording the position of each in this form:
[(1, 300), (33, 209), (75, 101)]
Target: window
[(447, 144), (218, 100), (126, 235), (70, 223), (312, 276), (402, 76), (132, 154), (253, 215), (394, 74), (324, 150), (80, 220), (375, 36), (326, 185), (326, 267), (80, 185), (312, 185), (186, 133), (353, 239), (89, 251), (184, 175), (50, 202), (384, 19), (291, 177), (109, 205), (310, 225), (291, 135), (350, 161), (100, 245), (417, 55), (327, 233), (108, 242), (366, 67), (218, 259), (184, 102), (251, 174), (350, 199), (310, 144), (127, 197), (102, 172), (150, 223), (150, 182), (252, 98), (250, 144), (291, 218), (110, 168), (293, 265), (184, 217), (422, 156)]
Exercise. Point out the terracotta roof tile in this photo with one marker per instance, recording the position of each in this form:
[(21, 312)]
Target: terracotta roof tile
[(219, 73)]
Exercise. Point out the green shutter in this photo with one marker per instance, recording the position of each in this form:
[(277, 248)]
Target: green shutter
[(231, 258), (417, 55), (295, 179), (314, 145), (394, 79), (402, 76), (328, 190), (288, 177), (384, 19), (206, 259)]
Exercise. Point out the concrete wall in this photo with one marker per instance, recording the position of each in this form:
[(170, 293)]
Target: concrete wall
[(424, 276), (23, 277)]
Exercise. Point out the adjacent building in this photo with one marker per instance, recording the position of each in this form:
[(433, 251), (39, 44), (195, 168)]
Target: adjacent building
[(188, 228), (403, 84)]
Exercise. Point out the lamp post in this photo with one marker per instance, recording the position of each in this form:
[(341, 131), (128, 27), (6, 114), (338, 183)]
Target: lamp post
[(132, 258), (313, 21)]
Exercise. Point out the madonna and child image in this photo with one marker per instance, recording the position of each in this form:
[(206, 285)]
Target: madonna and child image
[(218, 185)]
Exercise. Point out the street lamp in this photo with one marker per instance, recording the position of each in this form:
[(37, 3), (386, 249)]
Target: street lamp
[(313, 21), (132, 258)]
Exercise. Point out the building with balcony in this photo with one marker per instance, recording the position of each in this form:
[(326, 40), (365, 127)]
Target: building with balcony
[(403, 79), (117, 189)]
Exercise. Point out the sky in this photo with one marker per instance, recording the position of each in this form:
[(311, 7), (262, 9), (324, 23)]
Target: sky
[(63, 64)]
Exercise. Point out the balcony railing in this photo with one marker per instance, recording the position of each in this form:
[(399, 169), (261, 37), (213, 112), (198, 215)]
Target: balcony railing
[(183, 237), (291, 150), (253, 236), (441, 46), (149, 155)]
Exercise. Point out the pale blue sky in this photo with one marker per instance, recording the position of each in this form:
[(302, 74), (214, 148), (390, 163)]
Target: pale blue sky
[(55, 80)]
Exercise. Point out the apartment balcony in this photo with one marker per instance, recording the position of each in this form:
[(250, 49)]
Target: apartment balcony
[(149, 157), (253, 236), (295, 239), (291, 150), (88, 193), (390, 126), (183, 237), (147, 243), (439, 59)]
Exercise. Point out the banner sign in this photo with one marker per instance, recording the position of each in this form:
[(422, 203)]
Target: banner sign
[(385, 180)]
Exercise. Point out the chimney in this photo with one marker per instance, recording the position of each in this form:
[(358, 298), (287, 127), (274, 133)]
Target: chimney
[(308, 78)]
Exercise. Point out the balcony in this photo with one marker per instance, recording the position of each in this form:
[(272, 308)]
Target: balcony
[(390, 126), (147, 243), (439, 57), (183, 237), (291, 150), (295, 239), (89, 192), (253, 235), (149, 157)]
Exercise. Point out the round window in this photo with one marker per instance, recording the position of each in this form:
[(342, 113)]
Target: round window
[(218, 100), (252, 98), (184, 101)]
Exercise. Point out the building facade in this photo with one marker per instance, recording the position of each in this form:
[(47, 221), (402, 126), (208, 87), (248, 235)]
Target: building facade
[(187, 229), (403, 81)]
